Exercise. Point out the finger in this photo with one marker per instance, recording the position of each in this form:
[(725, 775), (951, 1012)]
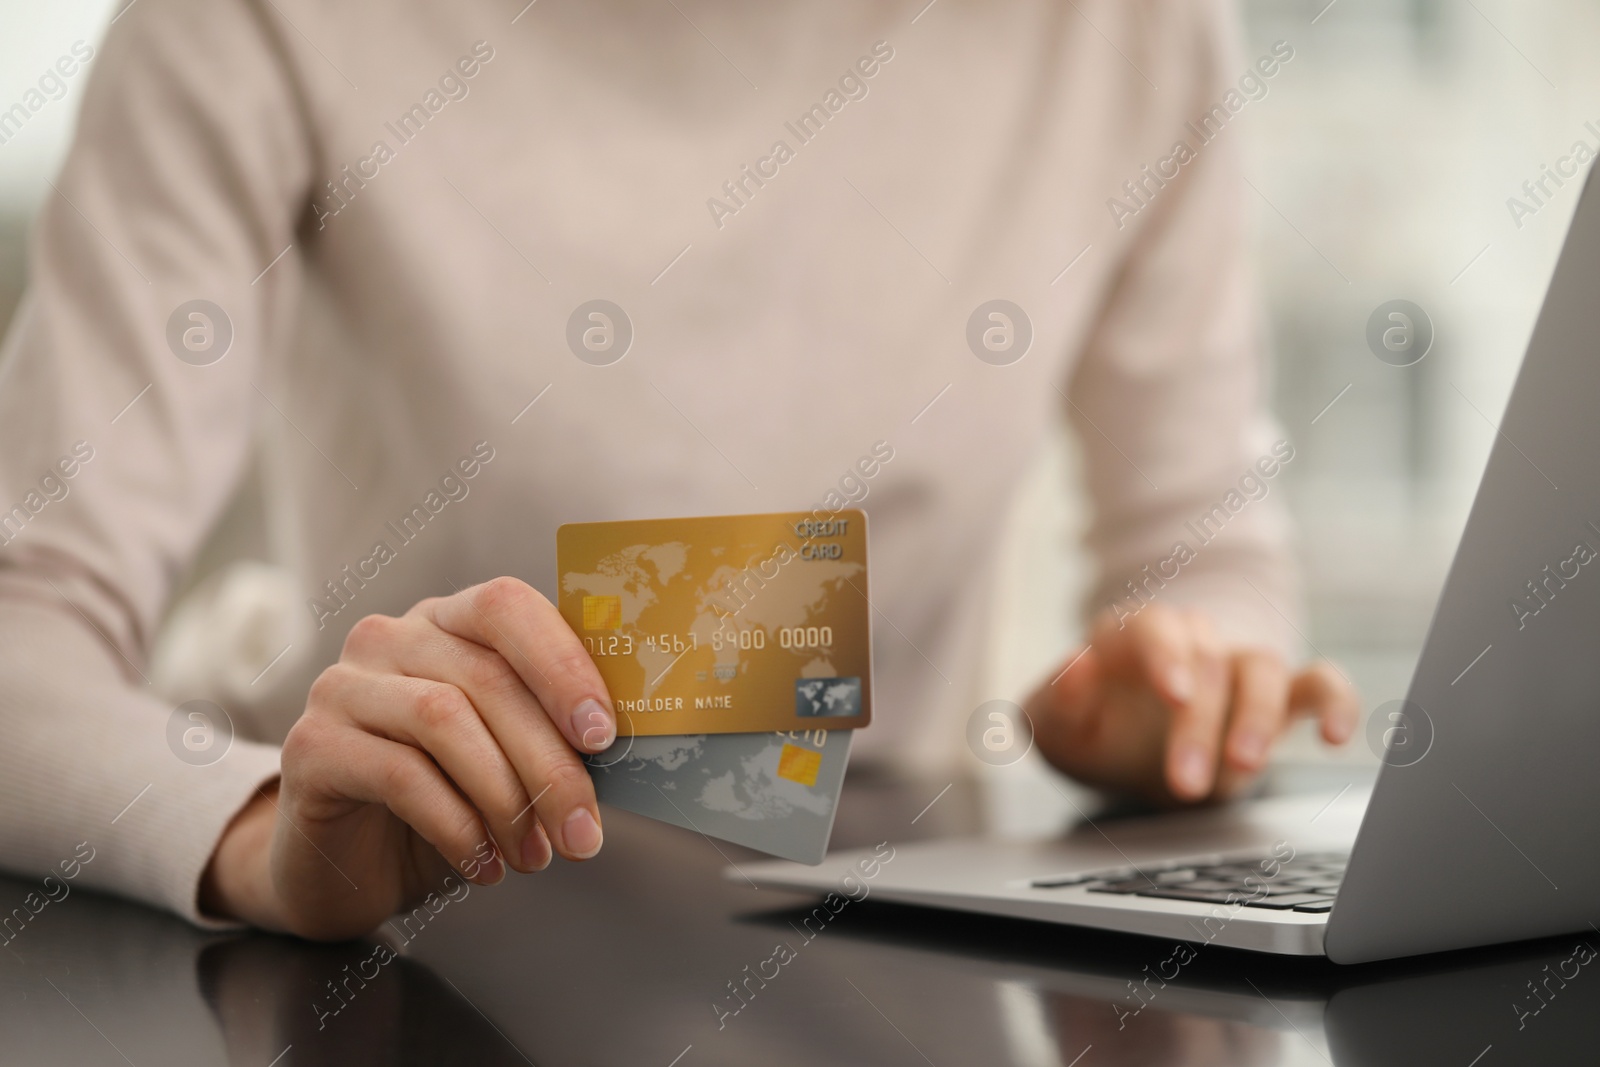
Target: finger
[(550, 772), (443, 721), (349, 762), (1153, 646), (1195, 735), (1260, 708), (1321, 691), (1076, 690), (518, 622)]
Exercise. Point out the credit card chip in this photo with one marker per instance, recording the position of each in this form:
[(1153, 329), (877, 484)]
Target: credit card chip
[(602, 613), (799, 764)]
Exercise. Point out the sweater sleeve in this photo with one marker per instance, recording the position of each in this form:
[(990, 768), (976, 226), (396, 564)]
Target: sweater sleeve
[(126, 414), (1184, 467)]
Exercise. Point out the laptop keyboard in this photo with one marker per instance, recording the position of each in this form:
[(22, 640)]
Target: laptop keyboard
[(1307, 883)]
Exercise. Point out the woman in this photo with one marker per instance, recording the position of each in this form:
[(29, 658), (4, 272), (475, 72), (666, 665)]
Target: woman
[(354, 252)]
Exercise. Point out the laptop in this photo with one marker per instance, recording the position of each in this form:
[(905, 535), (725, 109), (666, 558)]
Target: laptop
[(1480, 827)]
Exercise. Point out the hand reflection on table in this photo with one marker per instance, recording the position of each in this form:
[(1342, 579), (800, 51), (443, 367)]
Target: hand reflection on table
[(270, 993)]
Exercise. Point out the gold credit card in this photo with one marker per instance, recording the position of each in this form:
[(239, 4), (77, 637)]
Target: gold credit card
[(725, 624)]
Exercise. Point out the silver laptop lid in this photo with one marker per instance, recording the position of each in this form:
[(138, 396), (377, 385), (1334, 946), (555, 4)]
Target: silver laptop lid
[(1488, 836)]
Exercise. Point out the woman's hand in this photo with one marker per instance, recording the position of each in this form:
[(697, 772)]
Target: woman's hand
[(446, 739), (1160, 707)]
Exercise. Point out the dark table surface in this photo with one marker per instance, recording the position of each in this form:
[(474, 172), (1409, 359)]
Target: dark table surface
[(628, 960)]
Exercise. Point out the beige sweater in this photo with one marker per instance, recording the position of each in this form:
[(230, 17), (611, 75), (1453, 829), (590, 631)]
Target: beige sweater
[(398, 206)]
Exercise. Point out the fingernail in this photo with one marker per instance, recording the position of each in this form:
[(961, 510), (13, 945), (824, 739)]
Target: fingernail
[(581, 834), (536, 851), (1250, 748), (1342, 730), (594, 724), (491, 872), (1194, 772), (1180, 682)]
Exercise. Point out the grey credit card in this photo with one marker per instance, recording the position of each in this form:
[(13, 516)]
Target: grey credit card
[(773, 792)]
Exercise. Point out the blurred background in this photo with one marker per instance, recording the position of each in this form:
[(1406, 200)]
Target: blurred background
[(1380, 167)]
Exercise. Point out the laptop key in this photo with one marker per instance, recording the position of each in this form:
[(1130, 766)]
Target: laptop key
[(1183, 892), (1229, 873), (1112, 874), (1315, 905), (1132, 885), (1289, 902)]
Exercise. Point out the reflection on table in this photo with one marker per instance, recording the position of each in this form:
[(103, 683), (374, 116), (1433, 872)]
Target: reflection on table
[(624, 960)]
